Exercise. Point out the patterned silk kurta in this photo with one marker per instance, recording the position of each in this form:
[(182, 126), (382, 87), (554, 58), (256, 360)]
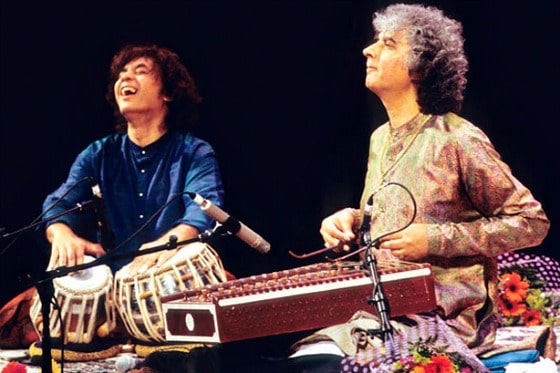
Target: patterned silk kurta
[(476, 209)]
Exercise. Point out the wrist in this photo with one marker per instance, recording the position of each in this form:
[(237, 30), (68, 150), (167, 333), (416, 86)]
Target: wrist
[(57, 229)]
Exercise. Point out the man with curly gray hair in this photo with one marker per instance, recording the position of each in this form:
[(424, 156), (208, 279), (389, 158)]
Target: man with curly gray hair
[(470, 207)]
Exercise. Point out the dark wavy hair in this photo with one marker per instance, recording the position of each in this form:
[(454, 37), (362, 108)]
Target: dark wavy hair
[(177, 84), (437, 61)]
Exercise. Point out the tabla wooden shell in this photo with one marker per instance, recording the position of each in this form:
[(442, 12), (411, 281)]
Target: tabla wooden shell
[(84, 304)]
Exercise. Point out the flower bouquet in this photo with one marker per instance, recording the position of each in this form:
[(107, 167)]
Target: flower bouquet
[(522, 301), (428, 357)]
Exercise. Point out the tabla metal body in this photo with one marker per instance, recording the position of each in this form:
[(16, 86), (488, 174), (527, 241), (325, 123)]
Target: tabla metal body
[(84, 305), (138, 298)]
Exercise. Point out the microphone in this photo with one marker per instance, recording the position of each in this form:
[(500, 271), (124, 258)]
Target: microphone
[(232, 225), (365, 236), (104, 233), (125, 363)]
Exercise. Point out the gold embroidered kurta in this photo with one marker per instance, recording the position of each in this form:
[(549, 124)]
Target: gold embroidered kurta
[(476, 209)]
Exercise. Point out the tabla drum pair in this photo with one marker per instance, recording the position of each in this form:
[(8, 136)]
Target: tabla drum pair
[(89, 300)]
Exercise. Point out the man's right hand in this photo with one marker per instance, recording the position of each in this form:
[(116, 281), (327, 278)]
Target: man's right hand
[(337, 229), (68, 249)]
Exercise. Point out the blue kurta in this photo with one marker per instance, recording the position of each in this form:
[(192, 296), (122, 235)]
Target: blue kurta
[(135, 183)]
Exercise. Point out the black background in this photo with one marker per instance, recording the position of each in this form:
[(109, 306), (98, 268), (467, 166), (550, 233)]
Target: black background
[(284, 107)]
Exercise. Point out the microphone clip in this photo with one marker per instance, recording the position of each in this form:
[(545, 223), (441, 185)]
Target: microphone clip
[(229, 227), (365, 238), (364, 231)]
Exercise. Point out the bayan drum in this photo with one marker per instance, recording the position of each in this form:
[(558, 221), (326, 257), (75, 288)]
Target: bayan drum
[(84, 305), (138, 298)]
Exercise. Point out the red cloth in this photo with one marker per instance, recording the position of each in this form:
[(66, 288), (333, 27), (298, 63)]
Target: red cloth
[(16, 328)]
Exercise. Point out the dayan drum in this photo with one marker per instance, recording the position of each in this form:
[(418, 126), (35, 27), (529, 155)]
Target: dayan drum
[(84, 306), (138, 298)]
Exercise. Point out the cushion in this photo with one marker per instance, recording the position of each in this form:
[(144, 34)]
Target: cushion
[(498, 363)]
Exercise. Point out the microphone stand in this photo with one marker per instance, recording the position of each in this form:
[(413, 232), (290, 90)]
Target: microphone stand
[(45, 287), (378, 297)]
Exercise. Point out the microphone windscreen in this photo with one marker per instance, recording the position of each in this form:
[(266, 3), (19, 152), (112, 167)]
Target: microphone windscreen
[(125, 363)]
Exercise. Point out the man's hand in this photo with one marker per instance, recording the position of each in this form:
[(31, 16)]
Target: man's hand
[(409, 244), (142, 263), (68, 249), (337, 229)]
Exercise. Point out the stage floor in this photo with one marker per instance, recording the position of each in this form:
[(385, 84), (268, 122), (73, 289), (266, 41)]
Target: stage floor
[(108, 365)]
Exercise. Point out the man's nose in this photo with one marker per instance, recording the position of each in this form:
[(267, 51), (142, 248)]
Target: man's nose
[(125, 75), (369, 50)]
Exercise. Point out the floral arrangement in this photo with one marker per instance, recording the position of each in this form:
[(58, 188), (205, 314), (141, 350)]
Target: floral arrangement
[(521, 300), (431, 354), (428, 357)]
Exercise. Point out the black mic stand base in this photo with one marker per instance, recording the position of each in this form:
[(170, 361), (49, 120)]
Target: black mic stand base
[(45, 290), (378, 298)]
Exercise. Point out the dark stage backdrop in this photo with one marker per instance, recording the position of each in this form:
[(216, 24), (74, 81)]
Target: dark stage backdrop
[(285, 106)]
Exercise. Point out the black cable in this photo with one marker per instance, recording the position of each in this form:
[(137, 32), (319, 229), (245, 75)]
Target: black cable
[(364, 228), (143, 226), (413, 213), (13, 241)]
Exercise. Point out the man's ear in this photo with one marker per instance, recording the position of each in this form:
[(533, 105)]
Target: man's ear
[(414, 76)]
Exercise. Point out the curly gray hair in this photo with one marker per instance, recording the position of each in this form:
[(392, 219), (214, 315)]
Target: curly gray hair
[(437, 60)]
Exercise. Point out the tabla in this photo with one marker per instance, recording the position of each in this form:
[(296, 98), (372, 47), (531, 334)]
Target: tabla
[(138, 298), (84, 304)]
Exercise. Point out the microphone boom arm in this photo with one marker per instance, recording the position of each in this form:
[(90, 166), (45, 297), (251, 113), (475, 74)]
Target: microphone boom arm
[(81, 206)]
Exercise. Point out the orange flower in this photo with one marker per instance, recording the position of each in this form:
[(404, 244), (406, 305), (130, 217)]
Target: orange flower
[(515, 289), (511, 309), (440, 364), (531, 317)]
